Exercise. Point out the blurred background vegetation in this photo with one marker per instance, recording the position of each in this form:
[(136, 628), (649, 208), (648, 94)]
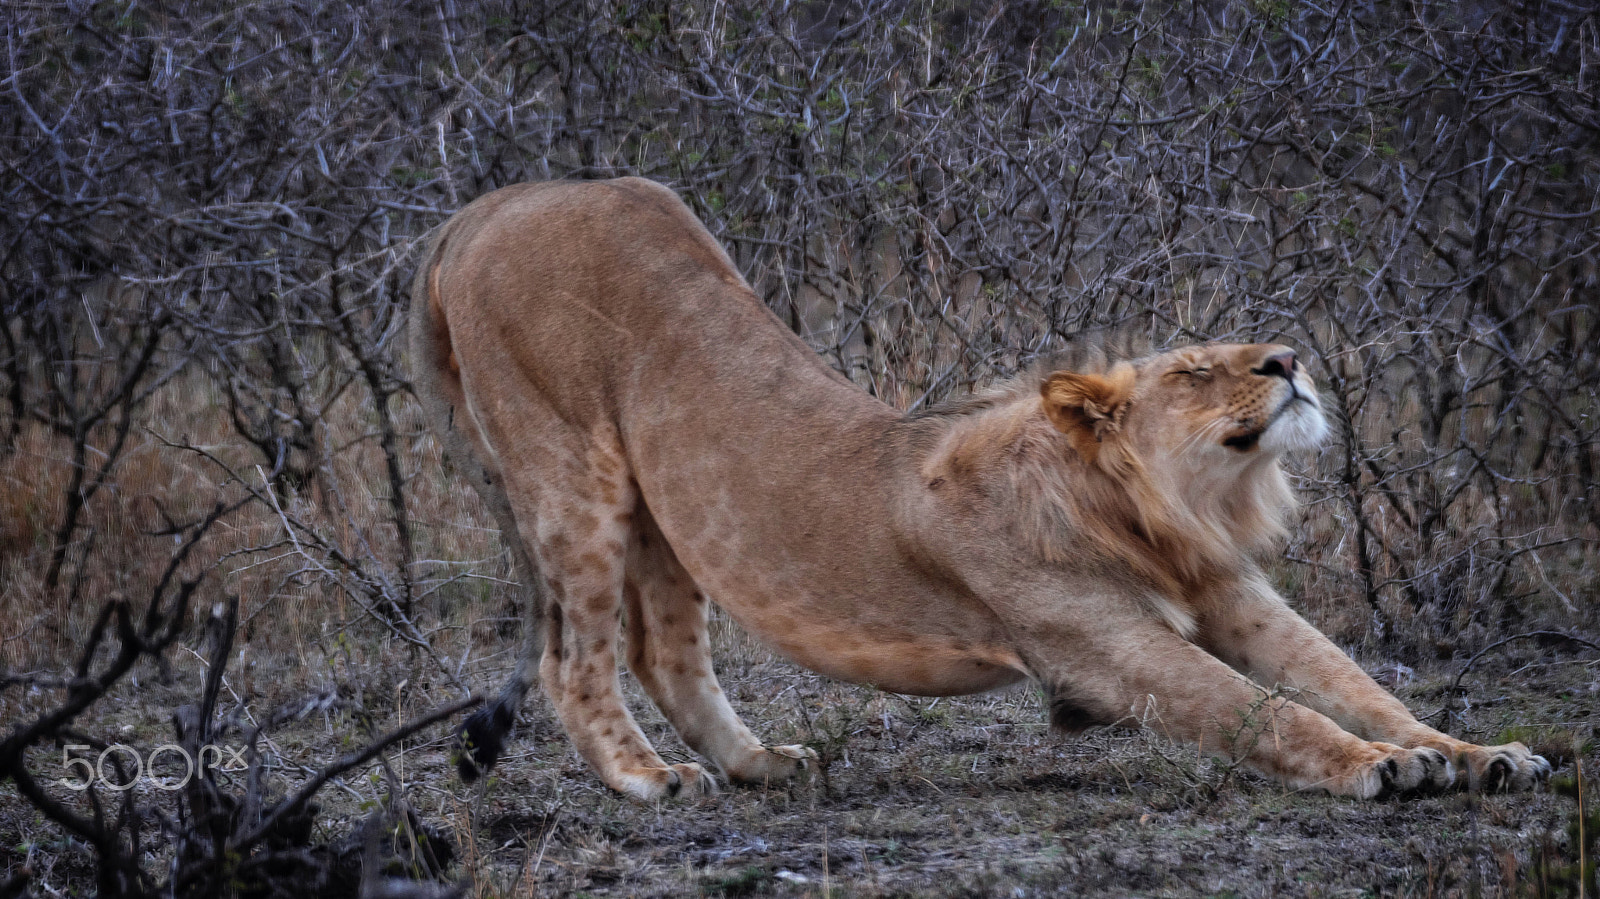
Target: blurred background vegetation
[(209, 214)]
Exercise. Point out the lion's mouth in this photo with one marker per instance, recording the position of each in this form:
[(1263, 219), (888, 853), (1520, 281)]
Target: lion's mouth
[(1248, 438), (1243, 442)]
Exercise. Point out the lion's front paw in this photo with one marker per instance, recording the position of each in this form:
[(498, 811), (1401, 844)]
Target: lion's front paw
[(774, 764), (650, 784), (1496, 769), (1395, 771), (1415, 771)]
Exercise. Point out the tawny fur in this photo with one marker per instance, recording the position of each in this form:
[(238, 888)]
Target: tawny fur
[(648, 435)]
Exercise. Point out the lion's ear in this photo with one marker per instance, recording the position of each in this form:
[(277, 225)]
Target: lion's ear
[(1085, 407)]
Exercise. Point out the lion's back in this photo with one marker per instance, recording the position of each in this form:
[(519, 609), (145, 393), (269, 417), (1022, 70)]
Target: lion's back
[(589, 232)]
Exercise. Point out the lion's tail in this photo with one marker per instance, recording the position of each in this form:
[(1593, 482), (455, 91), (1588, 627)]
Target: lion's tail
[(482, 736), (436, 380)]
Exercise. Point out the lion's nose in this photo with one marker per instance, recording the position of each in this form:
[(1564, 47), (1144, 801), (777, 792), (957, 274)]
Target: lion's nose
[(1280, 364)]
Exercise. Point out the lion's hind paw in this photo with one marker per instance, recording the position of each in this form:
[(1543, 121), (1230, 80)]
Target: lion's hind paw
[(775, 764), (686, 781), (803, 755)]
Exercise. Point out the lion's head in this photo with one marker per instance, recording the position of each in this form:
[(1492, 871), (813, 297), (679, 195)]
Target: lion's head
[(1184, 446), (1193, 411), (1168, 464)]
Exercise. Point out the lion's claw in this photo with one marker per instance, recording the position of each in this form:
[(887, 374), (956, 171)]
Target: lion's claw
[(1501, 769)]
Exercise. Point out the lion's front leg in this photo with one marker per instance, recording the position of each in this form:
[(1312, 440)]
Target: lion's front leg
[(1253, 630), (1147, 676)]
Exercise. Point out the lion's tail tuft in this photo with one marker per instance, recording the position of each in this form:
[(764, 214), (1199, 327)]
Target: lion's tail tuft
[(482, 737)]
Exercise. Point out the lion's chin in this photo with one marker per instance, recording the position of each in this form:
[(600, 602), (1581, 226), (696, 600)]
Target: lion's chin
[(1300, 426)]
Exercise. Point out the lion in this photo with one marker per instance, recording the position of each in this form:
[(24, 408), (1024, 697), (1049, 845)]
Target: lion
[(650, 437)]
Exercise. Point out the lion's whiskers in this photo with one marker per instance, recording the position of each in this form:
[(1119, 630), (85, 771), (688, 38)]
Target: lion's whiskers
[(1204, 431)]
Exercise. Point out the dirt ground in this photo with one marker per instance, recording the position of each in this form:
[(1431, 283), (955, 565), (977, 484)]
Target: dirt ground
[(915, 797)]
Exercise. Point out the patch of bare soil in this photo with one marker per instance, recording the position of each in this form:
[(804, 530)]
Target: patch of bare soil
[(919, 797)]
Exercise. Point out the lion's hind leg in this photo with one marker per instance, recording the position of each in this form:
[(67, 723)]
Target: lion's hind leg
[(669, 652), (579, 514)]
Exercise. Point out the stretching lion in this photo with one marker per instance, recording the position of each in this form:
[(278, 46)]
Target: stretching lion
[(649, 435)]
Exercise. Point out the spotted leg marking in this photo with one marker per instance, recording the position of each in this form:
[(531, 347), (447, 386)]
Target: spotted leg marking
[(669, 652), (580, 535)]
